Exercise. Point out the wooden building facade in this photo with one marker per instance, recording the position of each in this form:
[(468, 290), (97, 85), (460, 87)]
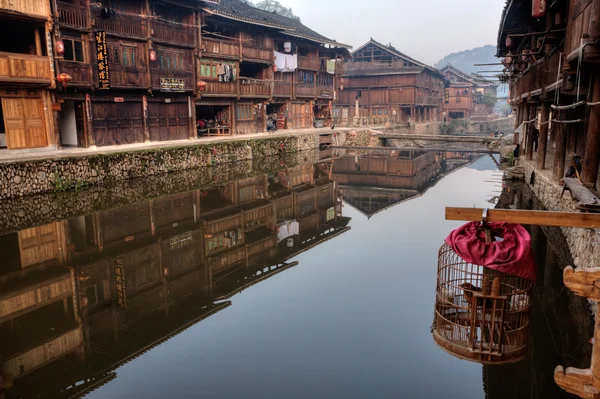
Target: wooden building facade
[(551, 55), (26, 74), (384, 84), (149, 70), (464, 96)]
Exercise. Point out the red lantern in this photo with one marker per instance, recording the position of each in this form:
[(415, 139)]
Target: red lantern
[(63, 79), (59, 47), (274, 68), (539, 8), (152, 55), (201, 85)]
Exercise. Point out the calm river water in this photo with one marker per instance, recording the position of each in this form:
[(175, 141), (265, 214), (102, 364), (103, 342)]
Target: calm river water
[(207, 293)]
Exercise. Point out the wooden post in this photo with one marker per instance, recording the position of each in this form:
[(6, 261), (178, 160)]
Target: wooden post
[(591, 158), (543, 141), (38, 42), (530, 128), (560, 149), (145, 118)]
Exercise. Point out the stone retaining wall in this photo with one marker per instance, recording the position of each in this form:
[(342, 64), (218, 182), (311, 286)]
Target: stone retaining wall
[(19, 179), (34, 210)]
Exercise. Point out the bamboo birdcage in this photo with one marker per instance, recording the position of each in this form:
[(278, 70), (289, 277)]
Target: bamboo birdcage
[(481, 315)]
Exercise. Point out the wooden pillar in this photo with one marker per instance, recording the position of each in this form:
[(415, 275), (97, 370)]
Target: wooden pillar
[(530, 128), (543, 141), (193, 133), (561, 148), (591, 158), (38, 42), (145, 118)]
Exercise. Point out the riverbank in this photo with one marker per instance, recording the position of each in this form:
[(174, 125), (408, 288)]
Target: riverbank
[(41, 174)]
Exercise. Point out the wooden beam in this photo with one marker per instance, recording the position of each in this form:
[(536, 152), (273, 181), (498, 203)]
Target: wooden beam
[(540, 218), (530, 130), (543, 140), (591, 158), (560, 151)]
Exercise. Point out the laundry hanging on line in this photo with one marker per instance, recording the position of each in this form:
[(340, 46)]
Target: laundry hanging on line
[(286, 62), (331, 67)]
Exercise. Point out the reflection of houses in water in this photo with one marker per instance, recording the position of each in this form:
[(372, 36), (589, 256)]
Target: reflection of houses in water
[(96, 291), (372, 183)]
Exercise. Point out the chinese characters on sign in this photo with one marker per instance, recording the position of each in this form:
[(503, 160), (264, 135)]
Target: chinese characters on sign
[(102, 55), (172, 85), (120, 283), (181, 240)]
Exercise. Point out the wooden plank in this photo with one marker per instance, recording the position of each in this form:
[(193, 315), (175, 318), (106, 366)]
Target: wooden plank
[(580, 192), (540, 218)]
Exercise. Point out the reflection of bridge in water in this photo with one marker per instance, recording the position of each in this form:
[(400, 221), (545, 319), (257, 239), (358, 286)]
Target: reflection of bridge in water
[(372, 180), (83, 296)]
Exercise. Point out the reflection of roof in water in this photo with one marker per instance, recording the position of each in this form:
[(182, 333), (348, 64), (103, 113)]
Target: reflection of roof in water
[(371, 200)]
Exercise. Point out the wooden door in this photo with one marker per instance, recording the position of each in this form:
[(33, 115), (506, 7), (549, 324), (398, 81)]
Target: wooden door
[(117, 123), (38, 245), (168, 121), (80, 124), (24, 122)]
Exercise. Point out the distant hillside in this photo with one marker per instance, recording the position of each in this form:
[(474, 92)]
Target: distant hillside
[(464, 60)]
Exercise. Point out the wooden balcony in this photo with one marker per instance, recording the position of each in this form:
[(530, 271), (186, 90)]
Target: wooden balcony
[(220, 48), (428, 100), (25, 68), (73, 16), (221, 89), (537, 76), (282, 89), (45, 292), (81, 73), (255, 88), (310, 63), (305, 90), (24, 362), (33, 8), (121, 25), (257, 54), (166, 32)]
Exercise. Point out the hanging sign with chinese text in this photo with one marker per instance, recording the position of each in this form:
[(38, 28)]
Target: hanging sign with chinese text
[(120, 283), (172, 85), (102, 56)]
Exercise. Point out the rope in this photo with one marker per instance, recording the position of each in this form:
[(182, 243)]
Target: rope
[(531, 121), (567, 122), (593, 104), (563, 107)]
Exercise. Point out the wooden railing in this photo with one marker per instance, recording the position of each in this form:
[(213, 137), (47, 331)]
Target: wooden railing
[(71, 15), (81, 73), (221, 88), (282, 89), (256, 53), (38, 8), (541, 74), (124, 25), (224, 48), (305, 90), (172, 33), (24, 68), (255, 88), (308, 63)]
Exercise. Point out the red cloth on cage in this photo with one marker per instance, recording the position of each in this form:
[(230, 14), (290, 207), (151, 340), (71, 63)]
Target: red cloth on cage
[(511, 255)]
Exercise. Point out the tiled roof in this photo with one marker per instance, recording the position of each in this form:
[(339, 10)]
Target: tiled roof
[(367, 69), (396, 52), (241, 11)]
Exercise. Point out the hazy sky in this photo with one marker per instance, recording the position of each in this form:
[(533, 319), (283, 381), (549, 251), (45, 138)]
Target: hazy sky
[(423, 29)]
